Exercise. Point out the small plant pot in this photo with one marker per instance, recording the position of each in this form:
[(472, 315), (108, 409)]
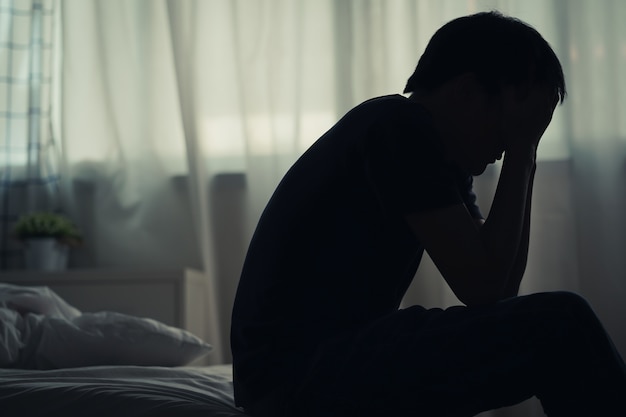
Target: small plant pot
[(45, 254)]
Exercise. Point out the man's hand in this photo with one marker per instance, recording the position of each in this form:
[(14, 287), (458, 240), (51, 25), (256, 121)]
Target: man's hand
[(527, 112)]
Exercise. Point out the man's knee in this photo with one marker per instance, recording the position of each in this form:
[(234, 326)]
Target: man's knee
[(564, 313), (563, 301), (571, 300), (568, 317)]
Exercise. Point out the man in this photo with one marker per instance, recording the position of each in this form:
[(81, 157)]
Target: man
[(317, 329)]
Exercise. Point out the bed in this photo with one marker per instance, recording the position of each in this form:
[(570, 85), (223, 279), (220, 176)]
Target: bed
[(123, 391), (58, 361)]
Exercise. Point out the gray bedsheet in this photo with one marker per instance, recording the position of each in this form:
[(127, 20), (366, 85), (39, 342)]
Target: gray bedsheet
[(119, 391)]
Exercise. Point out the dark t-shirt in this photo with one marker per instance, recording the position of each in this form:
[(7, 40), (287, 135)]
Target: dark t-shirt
[(332, 251)]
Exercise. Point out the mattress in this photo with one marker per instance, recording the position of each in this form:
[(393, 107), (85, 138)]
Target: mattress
[(120, 391)]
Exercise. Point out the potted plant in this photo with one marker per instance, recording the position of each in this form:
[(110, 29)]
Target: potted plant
[(47, 238)]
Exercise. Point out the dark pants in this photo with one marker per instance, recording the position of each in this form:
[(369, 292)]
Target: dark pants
[(462, 361)]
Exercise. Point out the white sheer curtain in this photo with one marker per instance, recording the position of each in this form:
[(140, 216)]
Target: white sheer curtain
[(181, 116)]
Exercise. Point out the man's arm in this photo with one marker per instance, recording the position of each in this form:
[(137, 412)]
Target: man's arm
[(519, 266), (477, 261), (486, 264)]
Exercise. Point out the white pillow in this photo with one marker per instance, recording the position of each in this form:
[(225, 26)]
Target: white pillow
[(39, 300), (108, 338), (10, 337), (39, 330)]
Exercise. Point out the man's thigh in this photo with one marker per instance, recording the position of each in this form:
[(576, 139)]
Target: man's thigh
[(454, 362)]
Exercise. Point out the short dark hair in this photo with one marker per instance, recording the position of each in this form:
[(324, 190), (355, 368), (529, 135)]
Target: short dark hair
[(498, 49)]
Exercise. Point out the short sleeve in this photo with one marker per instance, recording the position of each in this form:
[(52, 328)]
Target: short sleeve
[(407, 165)]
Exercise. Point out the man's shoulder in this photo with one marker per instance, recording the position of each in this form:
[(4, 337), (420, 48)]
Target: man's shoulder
[(383, 113), (390, 102)]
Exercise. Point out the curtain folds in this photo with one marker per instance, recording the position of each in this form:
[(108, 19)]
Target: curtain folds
[(29, 151), (180, 117), (596, 132)]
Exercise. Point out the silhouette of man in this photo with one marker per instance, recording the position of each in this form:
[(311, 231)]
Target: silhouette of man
[(316, 326)]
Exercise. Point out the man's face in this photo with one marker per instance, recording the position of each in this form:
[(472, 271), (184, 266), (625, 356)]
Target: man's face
[(482, 141), (497, 122)]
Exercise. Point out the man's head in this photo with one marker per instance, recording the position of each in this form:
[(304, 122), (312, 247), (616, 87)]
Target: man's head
[(486, 78), (497, 49)]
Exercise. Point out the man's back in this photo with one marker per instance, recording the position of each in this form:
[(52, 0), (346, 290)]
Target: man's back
[(332, 251)]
